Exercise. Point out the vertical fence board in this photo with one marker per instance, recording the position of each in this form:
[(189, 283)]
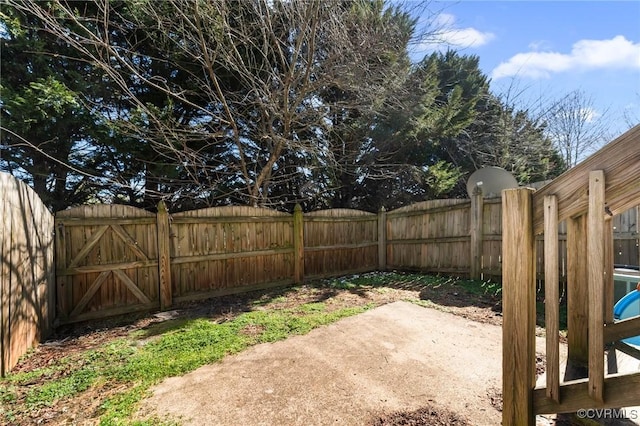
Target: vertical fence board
[(5, 269), (608, 298), (340, 241), (26, 261)]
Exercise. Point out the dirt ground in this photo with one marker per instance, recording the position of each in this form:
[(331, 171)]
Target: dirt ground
[(69, 341), (397, 364), (396, 358)]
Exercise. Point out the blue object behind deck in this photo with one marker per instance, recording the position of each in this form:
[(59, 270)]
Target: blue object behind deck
[(628, 307)]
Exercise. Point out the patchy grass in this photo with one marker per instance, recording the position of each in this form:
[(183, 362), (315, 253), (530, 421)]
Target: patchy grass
[(105, 379)]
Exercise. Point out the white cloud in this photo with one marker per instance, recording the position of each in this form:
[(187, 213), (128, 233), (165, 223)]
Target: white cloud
[(444, 20), (447, 35), (617, 52), (539, 45), (589, 114), (465, 37)]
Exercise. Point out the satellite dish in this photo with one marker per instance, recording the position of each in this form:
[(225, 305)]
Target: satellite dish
[(491, 180)]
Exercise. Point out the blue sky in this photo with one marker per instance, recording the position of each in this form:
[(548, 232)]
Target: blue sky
[(549, 48)]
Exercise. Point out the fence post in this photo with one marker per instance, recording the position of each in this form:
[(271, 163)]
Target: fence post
[(298, 245), (477, 210), (164, 256), (518, 307), (382, 239)]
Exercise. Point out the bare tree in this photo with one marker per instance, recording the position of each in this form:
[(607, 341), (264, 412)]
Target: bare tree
[(575, 127), (631, 114), (252, 79)]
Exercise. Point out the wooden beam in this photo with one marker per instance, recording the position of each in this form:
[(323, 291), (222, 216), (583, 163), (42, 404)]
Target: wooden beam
[(620, 159), (595, 256), (88, 221), (106, 267), (90, 244), (335, 219), (552, 296), (621, 330), (130, 242), (342, 246), (124, 278), (441, 209), (436, 240), (518, 308), (235, 255), (91, 291), (228, 219), (619, 391), (627, 349)]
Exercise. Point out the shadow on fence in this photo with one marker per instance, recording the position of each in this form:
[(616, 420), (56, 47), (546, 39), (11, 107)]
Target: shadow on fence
[(26, 283)]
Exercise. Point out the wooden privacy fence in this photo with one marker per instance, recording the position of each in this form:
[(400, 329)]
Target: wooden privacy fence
[(586, 197), (459, 237), (113, 259), (118, 259), (26, 250)]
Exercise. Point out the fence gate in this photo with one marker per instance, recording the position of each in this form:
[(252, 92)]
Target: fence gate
[(106, 262)]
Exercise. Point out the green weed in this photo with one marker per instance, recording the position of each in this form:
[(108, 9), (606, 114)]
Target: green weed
[(173, 348)]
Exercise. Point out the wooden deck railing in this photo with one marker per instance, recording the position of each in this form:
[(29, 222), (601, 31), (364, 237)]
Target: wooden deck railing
[(587, 196)]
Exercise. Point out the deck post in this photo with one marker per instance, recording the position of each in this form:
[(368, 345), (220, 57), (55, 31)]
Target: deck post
[(596, 268), (518, 307), (552, 296)]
